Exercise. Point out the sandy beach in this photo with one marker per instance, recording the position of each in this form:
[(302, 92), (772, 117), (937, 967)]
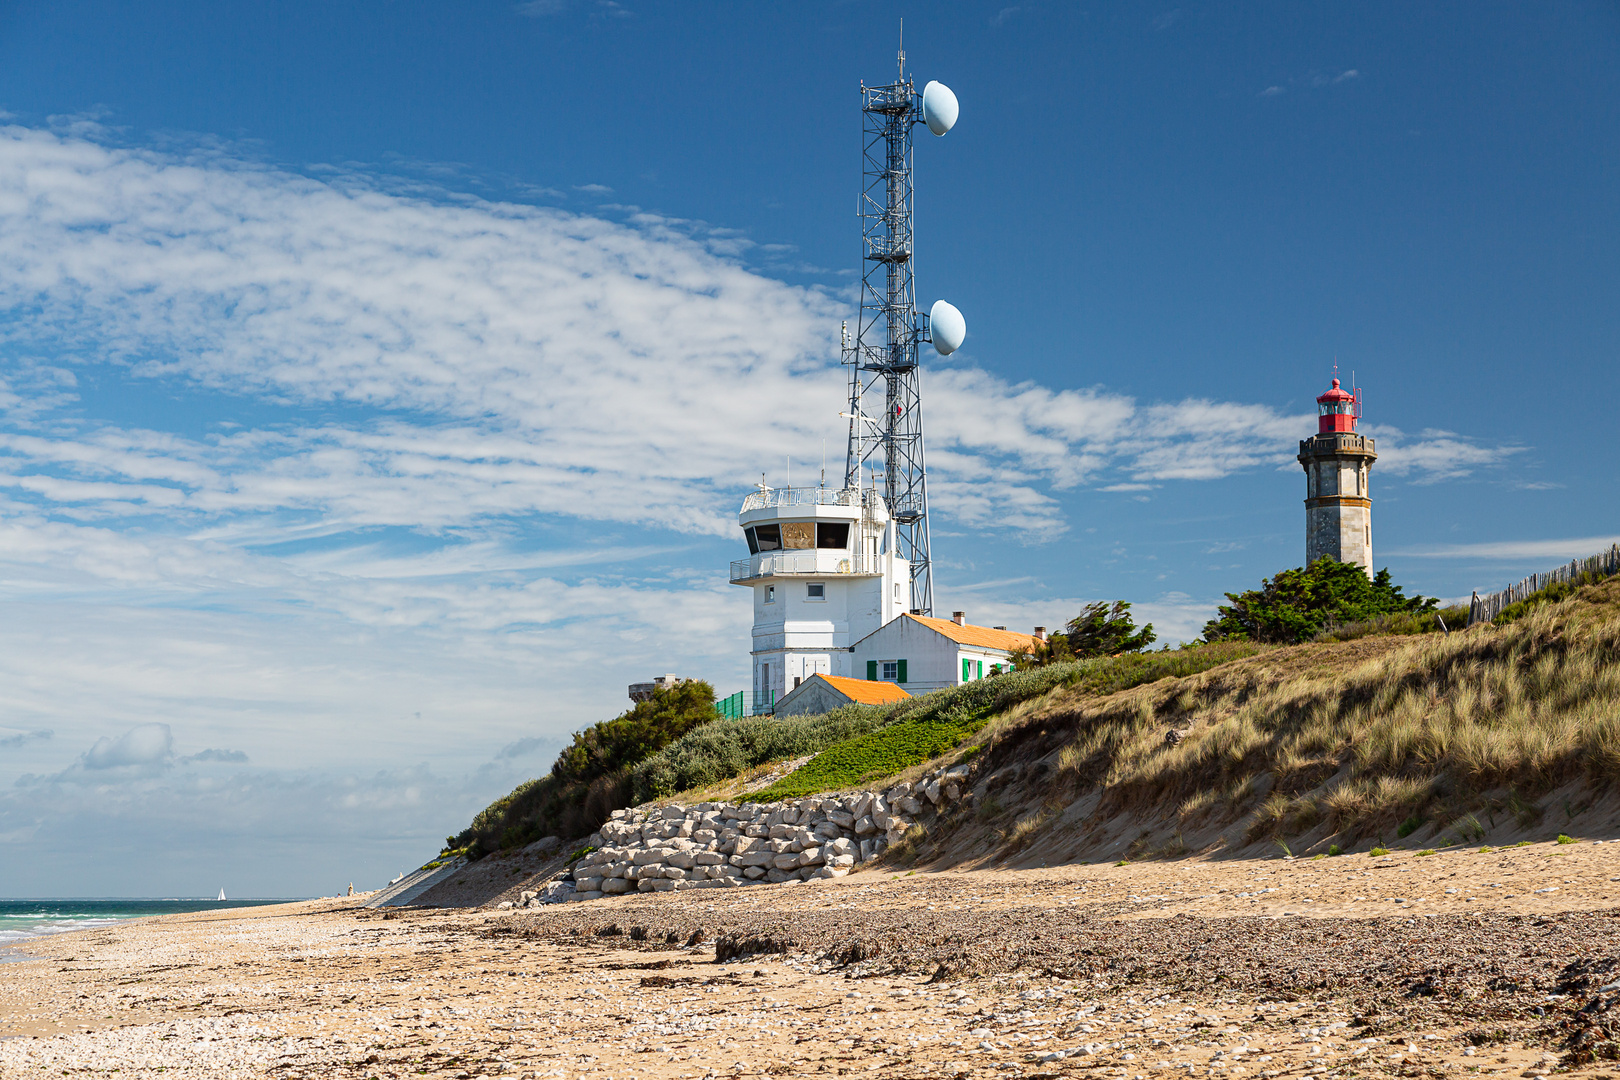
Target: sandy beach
[(1461, 961)]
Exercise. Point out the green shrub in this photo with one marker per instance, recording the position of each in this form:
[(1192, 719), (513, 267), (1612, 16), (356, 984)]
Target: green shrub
[(1399, 623), (1335, 849), (1375, 852), (1298, 604), (636, 734), (1409, 826), (591, 778), (1562, 839), (722, 748)]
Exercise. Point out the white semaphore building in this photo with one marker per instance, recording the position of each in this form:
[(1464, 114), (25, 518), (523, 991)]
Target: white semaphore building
[(824, 572)]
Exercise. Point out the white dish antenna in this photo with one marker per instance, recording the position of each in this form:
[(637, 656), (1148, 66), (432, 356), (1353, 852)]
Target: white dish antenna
[(939, 109), (945, 323)]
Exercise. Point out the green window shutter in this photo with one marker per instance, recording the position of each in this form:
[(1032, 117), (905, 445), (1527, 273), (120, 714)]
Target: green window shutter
[(871, 671), (981, 670), (967, 670), (902, 677)]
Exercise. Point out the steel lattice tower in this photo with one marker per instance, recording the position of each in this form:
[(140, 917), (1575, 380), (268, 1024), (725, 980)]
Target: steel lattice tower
[(888, 329)]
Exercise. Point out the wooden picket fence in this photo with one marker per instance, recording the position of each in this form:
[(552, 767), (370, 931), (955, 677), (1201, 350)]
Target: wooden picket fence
[(1485, 608)]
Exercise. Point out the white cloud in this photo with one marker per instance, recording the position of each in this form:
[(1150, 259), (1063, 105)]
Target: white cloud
[(452, 471), (1562, 549), (145, 746)]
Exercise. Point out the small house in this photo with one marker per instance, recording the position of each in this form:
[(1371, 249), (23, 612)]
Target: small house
[(922, 654), (824, 693)]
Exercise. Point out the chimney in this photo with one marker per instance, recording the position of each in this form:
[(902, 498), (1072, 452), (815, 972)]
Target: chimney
[(1040, 633), (959, 618)]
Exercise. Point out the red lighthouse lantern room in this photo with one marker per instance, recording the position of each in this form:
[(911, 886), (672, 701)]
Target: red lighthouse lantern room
[(1338, 410)]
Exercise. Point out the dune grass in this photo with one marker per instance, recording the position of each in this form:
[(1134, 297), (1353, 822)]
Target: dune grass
[(928, 726), (1447, 729)]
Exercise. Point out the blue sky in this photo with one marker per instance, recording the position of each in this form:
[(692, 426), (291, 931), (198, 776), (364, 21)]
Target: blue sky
[(378, 381)]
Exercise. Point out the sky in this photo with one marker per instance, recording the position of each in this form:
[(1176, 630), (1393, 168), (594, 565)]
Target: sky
[(379, 382)]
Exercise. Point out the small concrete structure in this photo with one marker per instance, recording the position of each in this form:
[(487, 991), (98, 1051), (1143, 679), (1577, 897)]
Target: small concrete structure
[(824, 693), (643, 691), (923, 654), (1337, 462)]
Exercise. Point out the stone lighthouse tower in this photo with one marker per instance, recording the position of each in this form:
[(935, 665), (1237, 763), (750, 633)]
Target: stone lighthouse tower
[(1337, 461)]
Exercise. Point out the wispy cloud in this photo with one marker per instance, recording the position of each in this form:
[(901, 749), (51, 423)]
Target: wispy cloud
[(228, 757), (447, 467), (1562, 549), (23, 738)]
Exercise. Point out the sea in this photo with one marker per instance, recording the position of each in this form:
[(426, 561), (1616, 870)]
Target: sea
[(21, 921)]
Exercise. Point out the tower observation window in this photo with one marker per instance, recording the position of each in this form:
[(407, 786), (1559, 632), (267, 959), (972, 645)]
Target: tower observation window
[(764, 538), (833, 535)]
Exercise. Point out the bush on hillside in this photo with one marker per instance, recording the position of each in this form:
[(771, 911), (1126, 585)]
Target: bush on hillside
[(590, 778), (1298, 604), (1401, 623), (1101, 629), (635, 735), (725, 748)]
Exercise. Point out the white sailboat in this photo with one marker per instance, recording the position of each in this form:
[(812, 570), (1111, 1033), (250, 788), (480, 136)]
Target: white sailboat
[(222, 894)]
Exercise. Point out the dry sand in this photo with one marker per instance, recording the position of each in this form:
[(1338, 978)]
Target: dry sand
[(1352, 966)]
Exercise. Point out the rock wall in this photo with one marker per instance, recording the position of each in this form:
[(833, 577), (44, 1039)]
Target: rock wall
[(725, 845)]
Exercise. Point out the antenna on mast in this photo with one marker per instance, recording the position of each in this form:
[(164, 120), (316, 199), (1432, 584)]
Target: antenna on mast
[(882, 352)]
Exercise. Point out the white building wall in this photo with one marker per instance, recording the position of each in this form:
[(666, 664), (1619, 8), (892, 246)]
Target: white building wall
[(794, 635), (933, 661)]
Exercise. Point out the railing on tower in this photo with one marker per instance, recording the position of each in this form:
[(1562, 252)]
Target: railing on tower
[(767, 498)]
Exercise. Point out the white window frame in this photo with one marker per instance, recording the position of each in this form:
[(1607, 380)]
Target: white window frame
[(810, 588), (770, 594), (890, 670)]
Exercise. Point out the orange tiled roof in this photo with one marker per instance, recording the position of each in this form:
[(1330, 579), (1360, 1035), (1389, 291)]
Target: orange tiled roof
[(865, 691), (982, 636)]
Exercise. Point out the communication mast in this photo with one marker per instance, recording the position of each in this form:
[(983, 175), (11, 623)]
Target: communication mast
[(889, 328)]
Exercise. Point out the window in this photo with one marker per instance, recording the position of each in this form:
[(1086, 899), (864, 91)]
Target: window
[(972, 669), (833, 535), (765, 538), (816, 590), (796, 681), (770, 594), (798, 534), (891, 670)]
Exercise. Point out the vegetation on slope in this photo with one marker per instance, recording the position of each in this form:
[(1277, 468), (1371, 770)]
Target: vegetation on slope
[(1447, 733), (591, 777), (1101, 629), (925, 727), (1298, 604)]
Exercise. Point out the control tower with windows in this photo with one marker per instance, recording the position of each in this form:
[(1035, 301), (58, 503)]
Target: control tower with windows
[(1338, 463), (825, 572)]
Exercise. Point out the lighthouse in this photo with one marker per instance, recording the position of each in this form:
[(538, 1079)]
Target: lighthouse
[(826, 570), (1338, 461)]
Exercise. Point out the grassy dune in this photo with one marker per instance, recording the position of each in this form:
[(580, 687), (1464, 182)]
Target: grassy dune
[(1377, 737)]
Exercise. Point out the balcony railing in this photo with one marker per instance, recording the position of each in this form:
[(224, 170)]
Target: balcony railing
[(813, 562), (816, 496)]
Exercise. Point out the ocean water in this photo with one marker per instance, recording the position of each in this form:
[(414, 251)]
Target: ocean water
[(24, 920)]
